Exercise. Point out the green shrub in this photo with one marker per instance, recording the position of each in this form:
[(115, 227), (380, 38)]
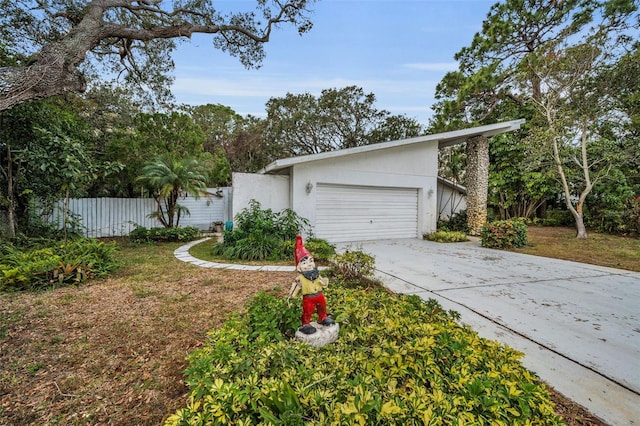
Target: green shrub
[(352, 265), (143, 235), (446, 236), (272, 318), (59, 264), (631, 217), (265, 235), (624, 220), (252, 247), (555, 217), (456, 222), (320, 249), (97, 257), (398, 360), (504, 234), (284, 225)]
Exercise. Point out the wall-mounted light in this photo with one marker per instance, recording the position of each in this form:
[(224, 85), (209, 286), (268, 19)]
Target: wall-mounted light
[(429, 192), (309, 187)]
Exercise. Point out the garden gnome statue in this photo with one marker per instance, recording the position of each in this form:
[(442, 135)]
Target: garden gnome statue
[(311, 284)]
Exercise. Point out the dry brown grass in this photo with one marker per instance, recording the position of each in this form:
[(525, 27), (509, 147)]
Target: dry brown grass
[(598, 249), (112, 352)]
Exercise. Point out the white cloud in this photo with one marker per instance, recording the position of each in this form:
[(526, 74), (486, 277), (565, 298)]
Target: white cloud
[(249, 94)]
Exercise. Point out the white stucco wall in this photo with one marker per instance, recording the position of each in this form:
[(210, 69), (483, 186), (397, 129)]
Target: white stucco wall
[(412, 166), (271, 191), (450, 201)]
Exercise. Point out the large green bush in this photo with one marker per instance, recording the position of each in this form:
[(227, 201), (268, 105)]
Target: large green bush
[(60, 263), (398, 361), (555, 217), (267, 235), (456, 222), (353, 265), (504, 234), (624, 219)]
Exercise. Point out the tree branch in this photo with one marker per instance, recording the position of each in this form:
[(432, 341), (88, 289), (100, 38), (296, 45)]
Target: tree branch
[(54, 69)]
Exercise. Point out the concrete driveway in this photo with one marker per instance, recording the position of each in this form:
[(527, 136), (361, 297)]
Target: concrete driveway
[(578, 325)]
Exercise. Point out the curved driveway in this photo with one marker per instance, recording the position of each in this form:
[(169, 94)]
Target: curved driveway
[(578, 325)]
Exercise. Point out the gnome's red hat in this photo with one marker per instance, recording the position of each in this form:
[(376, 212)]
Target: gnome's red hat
[(300, 252)]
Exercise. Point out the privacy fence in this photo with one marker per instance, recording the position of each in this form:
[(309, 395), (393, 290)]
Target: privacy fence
[(115, 217)]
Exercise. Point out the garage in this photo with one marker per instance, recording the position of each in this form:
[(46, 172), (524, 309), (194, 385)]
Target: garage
[(360, 213), (379, 191)]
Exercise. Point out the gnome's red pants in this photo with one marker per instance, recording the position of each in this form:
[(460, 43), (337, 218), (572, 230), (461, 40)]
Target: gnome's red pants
[(310, 303)]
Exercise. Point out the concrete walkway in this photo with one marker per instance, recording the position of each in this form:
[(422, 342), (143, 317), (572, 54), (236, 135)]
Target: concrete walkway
[(578, 325), (182, 253)]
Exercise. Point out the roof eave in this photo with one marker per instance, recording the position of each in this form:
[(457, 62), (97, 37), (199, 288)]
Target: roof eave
[(444, 139)]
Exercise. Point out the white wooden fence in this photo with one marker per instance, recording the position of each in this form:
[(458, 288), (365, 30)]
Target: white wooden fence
[(113, 217)]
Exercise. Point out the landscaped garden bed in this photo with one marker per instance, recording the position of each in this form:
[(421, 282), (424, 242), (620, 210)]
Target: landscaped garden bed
[(113, 351), (399, 360)]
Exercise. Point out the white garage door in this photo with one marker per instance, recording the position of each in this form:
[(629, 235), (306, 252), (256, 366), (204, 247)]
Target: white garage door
[(358, 213)]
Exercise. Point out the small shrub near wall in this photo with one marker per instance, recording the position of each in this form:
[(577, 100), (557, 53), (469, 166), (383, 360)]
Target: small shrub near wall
[(267, 235), (457, 222), (144, 235), (446, 237), (510, 233)]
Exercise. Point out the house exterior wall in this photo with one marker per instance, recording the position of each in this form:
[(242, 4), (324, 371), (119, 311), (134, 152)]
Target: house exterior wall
[(413, 166), (271, 191), (450, 201)]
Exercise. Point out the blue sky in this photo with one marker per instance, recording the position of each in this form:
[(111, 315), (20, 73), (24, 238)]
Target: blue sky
[(397, 49)]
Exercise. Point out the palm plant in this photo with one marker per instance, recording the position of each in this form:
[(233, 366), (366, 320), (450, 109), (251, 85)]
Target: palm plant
[(168, 179)]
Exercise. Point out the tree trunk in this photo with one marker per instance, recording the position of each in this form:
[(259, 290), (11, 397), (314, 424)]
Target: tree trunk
[(65, 214), (577, 212), (581, 231), (11, 208), (22, 84), (477, 183)]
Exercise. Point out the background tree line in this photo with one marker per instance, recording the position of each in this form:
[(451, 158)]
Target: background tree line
[(570, 68), (101, 144)]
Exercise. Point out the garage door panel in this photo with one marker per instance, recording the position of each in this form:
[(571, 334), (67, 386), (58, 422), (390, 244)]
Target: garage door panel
[(351, 213)]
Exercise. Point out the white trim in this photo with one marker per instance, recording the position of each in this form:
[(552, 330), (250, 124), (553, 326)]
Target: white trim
[(444, 139)]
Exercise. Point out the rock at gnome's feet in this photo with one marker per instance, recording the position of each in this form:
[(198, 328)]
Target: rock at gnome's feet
[(324, 335)]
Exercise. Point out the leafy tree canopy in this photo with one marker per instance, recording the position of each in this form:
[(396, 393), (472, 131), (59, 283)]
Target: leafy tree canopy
[(173, 135), (57, 43), (504, 52), (338, 118)]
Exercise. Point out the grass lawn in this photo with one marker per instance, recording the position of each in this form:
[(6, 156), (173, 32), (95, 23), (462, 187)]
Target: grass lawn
[(113, 351), (598, 249)]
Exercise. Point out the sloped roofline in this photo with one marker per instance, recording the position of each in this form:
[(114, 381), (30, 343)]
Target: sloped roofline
[(452, 185), (444, 139)]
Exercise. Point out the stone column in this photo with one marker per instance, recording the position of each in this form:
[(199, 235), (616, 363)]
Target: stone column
[(477, 182)]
